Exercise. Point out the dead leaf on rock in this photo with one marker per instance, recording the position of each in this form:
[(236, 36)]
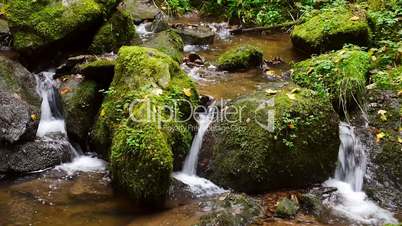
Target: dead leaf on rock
[(65, 90)]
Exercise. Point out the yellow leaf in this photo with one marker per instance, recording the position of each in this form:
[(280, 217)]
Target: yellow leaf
[(354, 18), (400, 93), (295, 90), (291, 126), (382, 114), (270, 91), (400, 140), (379, 136), (291, 96), (34, 117), (102, 113), (187, 92)]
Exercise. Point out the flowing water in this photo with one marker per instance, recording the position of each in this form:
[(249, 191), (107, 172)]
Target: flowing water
[(350, 201), (198, 186)]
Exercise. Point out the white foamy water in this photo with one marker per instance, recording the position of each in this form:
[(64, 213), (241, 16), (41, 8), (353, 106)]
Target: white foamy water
[(221, 30), (199, 186), (51, 120), (350, 201), (195, 48), (83, 163), (142, 30)]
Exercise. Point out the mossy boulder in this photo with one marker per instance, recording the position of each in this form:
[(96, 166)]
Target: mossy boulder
[(97, 68), (232, 209), (81, 100), (241, 57), (385, 139), (142, 148), (168, 42), (288, 137), (45, 24), (286, 208), (139, 10), (118, 31), (342, 75), (331, 29)]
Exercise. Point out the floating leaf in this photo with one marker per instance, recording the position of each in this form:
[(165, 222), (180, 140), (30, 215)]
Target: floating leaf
[(187, 92)]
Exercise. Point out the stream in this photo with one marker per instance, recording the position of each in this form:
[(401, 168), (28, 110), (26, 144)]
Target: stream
[(80, 192)]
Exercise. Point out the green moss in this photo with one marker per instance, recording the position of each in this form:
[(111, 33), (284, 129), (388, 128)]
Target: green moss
[(118, 31), (98, 63), (388, 80), (144, 149), (301, 149), (49, 20), (331, 29), (168, 42), (340, 74), (241, 57), (23, 40), (386, 56), (286, 208)]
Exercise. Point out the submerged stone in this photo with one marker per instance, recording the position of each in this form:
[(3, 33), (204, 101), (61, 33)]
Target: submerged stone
[(331, 29), (142, 149), (288, 139), (241, 57)]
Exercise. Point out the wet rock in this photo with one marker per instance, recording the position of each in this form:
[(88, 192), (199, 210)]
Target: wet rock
[(139, 10), (331, 29), (16, 121), (81, 100), (179, 193), (168, 42), (122, 127), (47, 26), (195, 35), (286, 208), (241, 57), (160, 23), (20, 103), (289, 138), (231, 209), (119, 30), (311, 203), (33, 155), (341, 75)]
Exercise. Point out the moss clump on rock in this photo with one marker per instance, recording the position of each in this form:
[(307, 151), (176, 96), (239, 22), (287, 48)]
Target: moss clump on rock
[(340, 74), (301, 149), (35, 24), (286, 208), (241, 57), (168, 42), (331, 29), (118, 31), (134, 128)]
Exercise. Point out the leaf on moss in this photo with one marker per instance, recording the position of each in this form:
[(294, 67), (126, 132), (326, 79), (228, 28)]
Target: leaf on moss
[(379, 136), (187, 92)]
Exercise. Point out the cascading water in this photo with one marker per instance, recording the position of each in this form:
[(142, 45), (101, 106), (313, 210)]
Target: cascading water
[(198, 186), (350, 201), (52, 123)]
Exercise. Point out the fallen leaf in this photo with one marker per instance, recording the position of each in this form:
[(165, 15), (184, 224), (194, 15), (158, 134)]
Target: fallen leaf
[(354, 18), (102, 113), (187, 92), (379, 136), (291, 126), (382, 114), (34, 117), (295, 90), (400, 140), (399, 93), (65, 90), (291, 96), (270, 91)]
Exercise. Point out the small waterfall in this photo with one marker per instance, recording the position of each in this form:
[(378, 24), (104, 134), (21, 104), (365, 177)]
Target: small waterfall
[(52, 120), (52, 123), (198, 186), (190, 164), (350, 201)]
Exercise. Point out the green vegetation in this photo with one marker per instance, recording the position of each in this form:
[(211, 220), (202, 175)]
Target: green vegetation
[(331, 29), (118, 31), (142, 150), (241, 57), (341, 75), (302, 148), (177, 6), (168, 42), (286, 208)]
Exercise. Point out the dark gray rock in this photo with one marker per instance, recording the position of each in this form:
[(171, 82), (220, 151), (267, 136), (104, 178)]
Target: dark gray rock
[(139, 10), (196, 35), (34, 155)]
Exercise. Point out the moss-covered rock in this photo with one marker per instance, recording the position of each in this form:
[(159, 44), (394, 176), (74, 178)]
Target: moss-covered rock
[(139, 10), (99, 69), (331, 29), (341, 75), (81, 101), (289, 138), (142, 148), (168, 42), (286, 208), (241, 57), (39, 24), (232, 209), (118, 31)]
